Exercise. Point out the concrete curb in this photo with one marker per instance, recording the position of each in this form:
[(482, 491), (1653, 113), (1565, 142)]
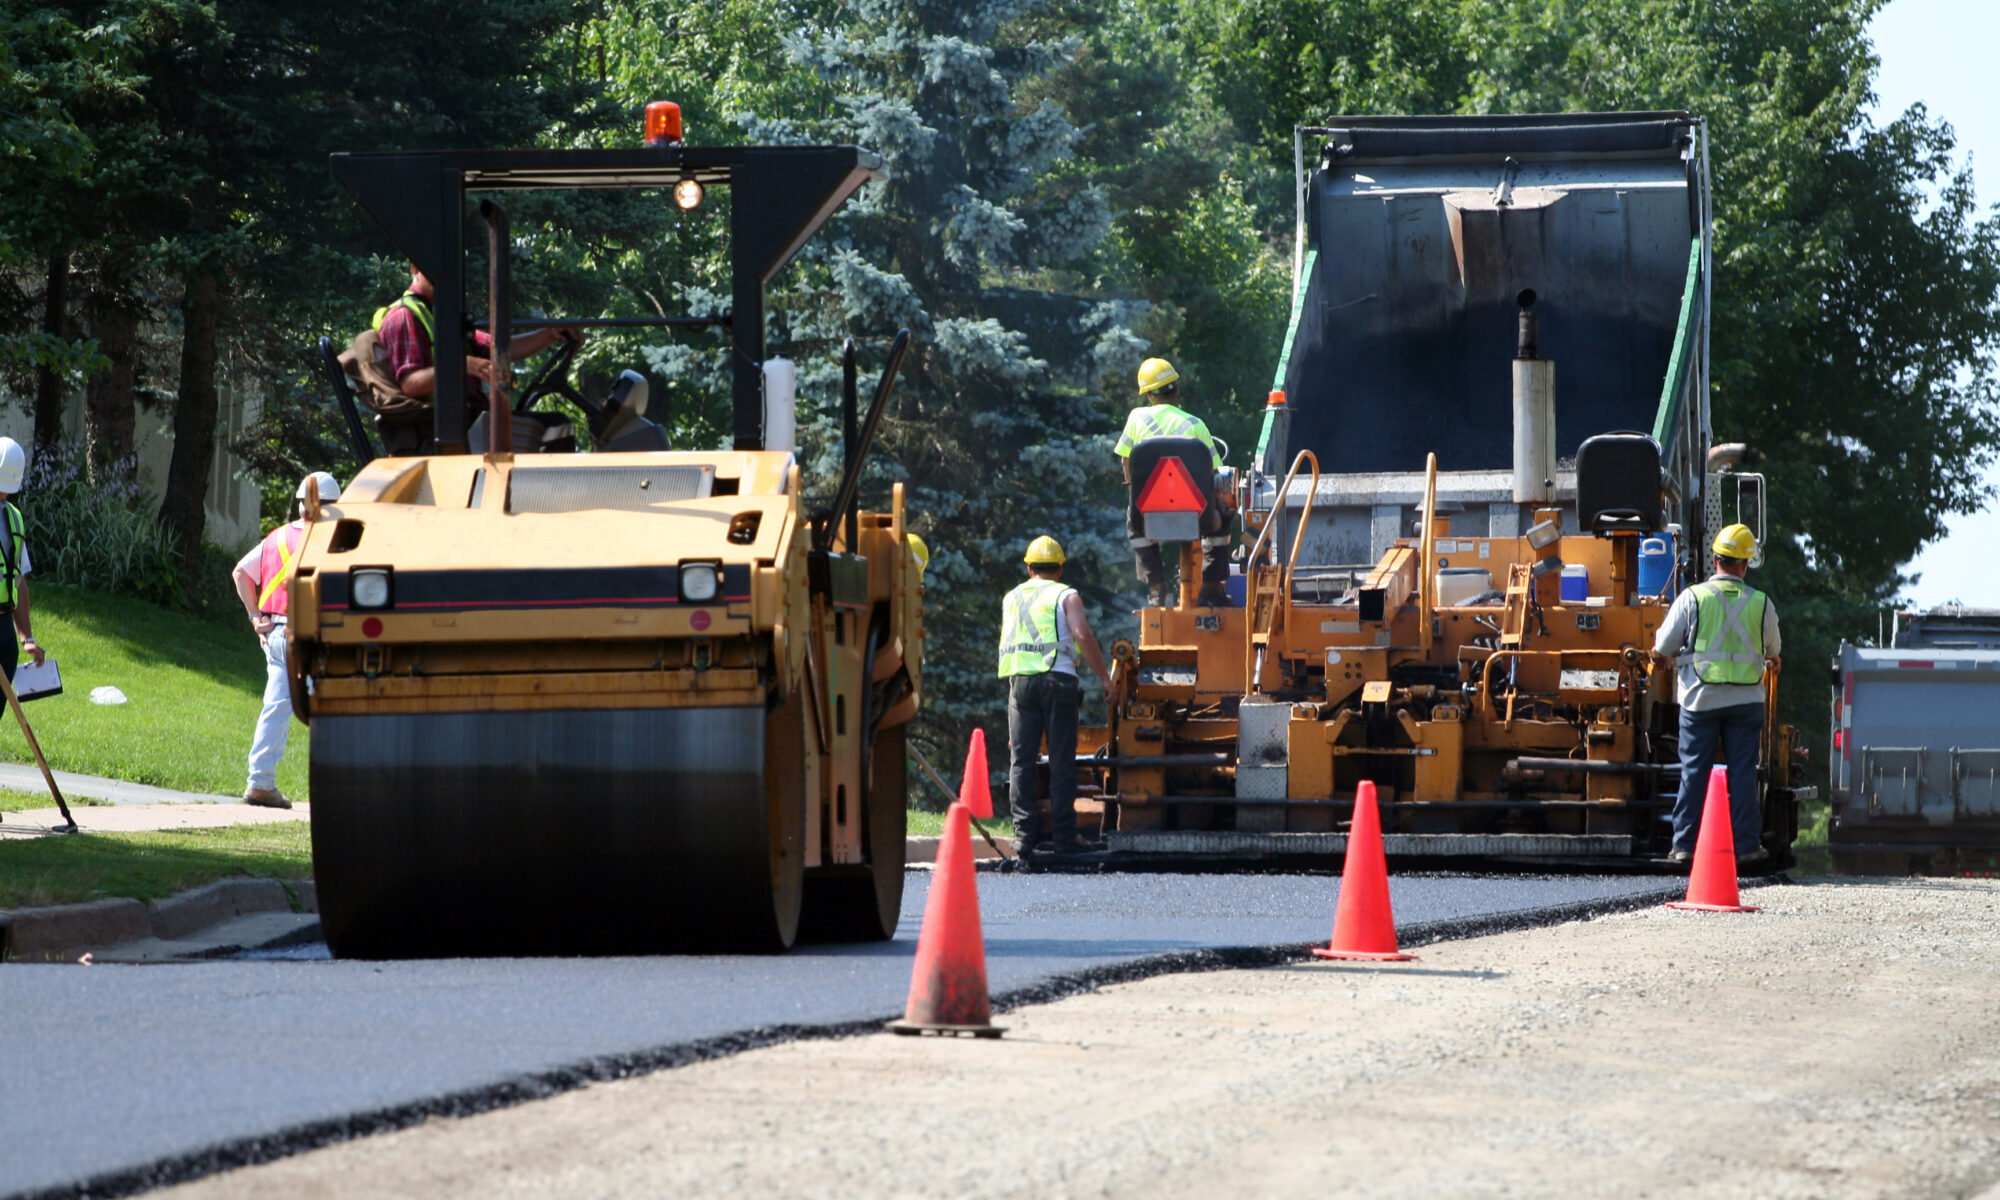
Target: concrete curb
[(924, 849), (62, 932)]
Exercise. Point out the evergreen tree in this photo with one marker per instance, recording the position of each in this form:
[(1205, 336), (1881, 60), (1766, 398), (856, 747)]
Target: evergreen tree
[(990, 252)]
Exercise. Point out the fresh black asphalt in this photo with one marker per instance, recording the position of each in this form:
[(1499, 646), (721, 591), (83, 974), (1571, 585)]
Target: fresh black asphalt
[(118, 1078)]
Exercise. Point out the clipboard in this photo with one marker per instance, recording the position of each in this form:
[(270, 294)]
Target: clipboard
[(37, 683)]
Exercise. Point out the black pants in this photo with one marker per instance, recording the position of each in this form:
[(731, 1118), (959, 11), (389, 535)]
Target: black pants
[(1152, 566), (10, 650), (1039, 705)]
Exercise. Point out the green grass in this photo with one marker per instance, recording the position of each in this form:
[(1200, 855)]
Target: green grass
[(12, 801), (931, 824), (147, 866), (1810, 850), (193, 692)]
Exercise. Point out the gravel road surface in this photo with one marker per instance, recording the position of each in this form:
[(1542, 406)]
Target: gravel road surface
[(1844, 1042), (131, 1075)]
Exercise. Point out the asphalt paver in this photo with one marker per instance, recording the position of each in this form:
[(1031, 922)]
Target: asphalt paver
[(120, 1076)]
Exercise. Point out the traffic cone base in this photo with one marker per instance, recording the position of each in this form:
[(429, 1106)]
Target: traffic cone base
[(910, 1029), (1367, 955), (948, 993), (1364, 926), (1712, 878), (1693, 907)]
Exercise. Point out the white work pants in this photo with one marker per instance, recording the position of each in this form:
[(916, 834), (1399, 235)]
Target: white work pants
[(275, 722)]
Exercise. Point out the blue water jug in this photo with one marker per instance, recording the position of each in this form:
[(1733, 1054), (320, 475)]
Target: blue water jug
[(1656, 566), (1576, 584)]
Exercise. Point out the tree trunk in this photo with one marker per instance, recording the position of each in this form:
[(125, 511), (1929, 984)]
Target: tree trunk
[(48, 384), (183, 510), (109, 417)]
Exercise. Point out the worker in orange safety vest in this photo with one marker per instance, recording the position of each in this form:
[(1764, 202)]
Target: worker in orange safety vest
[(261, 579)]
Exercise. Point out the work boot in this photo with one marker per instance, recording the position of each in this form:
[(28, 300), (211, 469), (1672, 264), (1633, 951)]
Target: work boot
[(1680, 857), (266, 798), (1756, 856), (1160, 596), (1213, 595)]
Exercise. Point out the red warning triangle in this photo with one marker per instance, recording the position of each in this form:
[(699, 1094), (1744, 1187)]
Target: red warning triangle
[(1171, 489)]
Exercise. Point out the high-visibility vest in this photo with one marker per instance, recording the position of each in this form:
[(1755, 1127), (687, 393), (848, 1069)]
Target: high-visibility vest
[(1728, 632), (17, 545), (418, 309), (1163, 421), (274, 567), (1028, 640)]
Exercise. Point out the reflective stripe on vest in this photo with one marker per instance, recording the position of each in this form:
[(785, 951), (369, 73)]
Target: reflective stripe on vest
[(1728, 632), (274, 567), (17, 532), (1163, 421), (1029, 643), (418, 309)]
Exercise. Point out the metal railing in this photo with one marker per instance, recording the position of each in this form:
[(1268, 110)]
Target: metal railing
[(1253, 666)]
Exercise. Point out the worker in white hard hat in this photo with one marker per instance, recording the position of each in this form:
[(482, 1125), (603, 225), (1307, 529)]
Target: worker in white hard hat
[(1157, 414), (262, 578), (1042, 626), (1723, 636), (14, 561)]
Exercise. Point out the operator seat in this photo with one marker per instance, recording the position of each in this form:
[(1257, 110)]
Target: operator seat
[(1618, 484), (1173, 479)]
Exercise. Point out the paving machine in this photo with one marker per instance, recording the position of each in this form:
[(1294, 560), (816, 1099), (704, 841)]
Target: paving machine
[(1455, 568), (634, 700)]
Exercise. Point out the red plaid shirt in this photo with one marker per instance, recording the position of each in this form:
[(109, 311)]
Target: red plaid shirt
[(403, 339)]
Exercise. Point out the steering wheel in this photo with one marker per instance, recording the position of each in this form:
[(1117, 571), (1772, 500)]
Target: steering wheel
[(552, 379)]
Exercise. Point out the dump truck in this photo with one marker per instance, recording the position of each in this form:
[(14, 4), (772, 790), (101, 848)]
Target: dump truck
[(1914, 779), (634, 700), (1485, 469)]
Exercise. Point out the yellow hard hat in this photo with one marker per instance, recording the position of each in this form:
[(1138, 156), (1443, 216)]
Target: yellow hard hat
[(1044, 551), (920, 550), (1156, 373), (1736, 541)]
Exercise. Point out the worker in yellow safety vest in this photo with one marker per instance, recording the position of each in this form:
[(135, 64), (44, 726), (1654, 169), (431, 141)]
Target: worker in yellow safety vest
[(1722, 635), (1158, 416), (14, 564), (262, 577), (1042, 626)]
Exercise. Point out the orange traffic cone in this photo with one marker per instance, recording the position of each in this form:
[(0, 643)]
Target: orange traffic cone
[(1712, 882), (975, 791), (1364, 926), (948, 986)]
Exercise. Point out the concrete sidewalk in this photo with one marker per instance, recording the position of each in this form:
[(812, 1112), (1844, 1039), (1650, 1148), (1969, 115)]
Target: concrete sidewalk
[(28, 778), (102, 818)]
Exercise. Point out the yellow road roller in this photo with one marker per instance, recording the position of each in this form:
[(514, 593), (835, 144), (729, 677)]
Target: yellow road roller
[(635, 700)]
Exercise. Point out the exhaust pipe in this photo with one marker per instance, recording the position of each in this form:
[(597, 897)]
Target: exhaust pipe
[(1534, 413)]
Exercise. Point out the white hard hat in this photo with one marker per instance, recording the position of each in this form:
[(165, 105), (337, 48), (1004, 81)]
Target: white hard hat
[(13, 465), (329, 487)]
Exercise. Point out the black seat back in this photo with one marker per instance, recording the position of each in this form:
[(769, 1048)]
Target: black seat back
[(1618, 485), (1193, 454)]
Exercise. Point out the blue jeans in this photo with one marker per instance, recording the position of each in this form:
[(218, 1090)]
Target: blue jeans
[(1739, 729)]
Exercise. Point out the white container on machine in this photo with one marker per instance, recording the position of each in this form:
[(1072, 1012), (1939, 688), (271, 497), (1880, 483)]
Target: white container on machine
[(781, 415), (1458, 585)]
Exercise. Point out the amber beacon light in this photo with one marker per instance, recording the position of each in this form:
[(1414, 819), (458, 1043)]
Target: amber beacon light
[(663, 123)]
